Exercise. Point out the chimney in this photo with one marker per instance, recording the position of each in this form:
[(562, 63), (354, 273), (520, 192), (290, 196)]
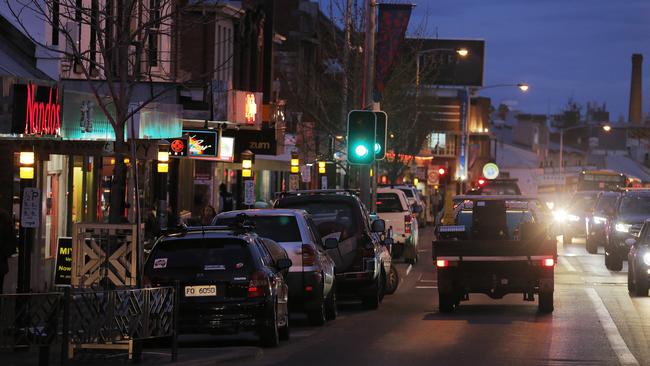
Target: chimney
[(635, 89)]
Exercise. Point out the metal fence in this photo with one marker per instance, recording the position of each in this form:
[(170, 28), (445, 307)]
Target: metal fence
[(85, 318)]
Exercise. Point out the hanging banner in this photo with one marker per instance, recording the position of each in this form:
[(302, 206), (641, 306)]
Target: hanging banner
[(462, 152), (393, 22)]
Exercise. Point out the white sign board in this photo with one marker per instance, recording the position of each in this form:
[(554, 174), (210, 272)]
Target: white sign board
[(249, 192), (294, 182), (323, 182), (30, 211), (305, 173), (490, 171)]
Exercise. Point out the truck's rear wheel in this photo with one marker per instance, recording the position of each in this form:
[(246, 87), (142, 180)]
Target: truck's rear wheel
[(446, 302), (591, 246), (545, 304)]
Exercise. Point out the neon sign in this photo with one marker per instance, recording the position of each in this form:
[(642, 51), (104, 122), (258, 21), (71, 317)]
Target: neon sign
[(202, 143), (250, 109), (42, 115)]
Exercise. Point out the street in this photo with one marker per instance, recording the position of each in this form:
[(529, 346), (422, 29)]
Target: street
[(595, 322)]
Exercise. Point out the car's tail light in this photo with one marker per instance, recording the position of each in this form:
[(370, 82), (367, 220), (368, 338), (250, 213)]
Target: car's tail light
[(259, 285), (548, 262), (407, 224), (442, 263), (308, 255)]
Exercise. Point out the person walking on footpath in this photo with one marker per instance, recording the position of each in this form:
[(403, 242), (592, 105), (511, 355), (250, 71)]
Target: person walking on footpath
[(8, 243), (225, 199)]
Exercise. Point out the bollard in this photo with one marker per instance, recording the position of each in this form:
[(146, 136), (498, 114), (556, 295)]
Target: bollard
[(175, 321)]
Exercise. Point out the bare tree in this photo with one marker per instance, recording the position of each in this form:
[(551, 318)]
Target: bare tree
[(114, 46)]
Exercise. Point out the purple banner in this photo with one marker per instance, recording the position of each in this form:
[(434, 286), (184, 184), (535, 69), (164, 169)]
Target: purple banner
[(393, 22)]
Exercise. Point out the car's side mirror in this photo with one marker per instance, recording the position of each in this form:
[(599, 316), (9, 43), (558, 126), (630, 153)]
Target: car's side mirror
[(630, 242), (331, 243), (378, 226), (417, 209), (284, 263)]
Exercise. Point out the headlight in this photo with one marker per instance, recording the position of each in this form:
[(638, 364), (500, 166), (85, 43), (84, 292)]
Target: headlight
[(573, 218), (559, 215), (599, 220), (646, 259), (622, 228)]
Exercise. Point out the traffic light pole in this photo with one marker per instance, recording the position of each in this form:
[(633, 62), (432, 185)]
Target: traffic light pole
[(364, 179)]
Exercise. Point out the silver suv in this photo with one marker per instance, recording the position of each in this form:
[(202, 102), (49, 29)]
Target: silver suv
[(311, 277)]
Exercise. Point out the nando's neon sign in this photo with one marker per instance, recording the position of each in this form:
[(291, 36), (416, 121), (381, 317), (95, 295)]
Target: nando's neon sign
[(42, 110)]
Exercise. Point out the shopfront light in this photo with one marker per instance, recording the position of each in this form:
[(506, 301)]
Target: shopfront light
[(163, 156), (247, 164), (26, 158), (322, 165), (295, 163), (622, 228), (163, 168), (26, 172)]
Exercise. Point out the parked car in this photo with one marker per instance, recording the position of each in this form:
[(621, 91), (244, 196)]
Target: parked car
[(638, 259), (597, 221), (361, 260), (311, 276), (228, 279), (393, 207), (414, 200), (571, 217), (632, 211)]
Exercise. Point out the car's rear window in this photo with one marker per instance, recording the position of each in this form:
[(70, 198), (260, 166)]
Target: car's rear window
[(281, 229), (204, 254), (407, 191), (513, 219), (500, 189), (606, 202), (331, 218), (584, 201), (389, 202)]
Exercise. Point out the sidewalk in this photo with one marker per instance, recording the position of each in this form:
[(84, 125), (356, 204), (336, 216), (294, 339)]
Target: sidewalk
[(186, 357)]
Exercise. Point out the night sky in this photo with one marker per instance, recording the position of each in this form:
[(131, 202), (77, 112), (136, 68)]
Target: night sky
[(562, 48)]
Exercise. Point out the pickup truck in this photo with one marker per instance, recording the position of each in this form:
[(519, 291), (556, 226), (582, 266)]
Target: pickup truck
[(497, 245)]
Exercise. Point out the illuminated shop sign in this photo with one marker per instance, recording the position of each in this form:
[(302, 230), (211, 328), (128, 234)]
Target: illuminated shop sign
[(202, 143), (178, 147), (245, 107), (37, 110)]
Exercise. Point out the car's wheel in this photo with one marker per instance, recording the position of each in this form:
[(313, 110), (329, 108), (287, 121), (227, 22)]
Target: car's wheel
[(640, 283), (316, 316), (591, 246), (545, 302), (392, 281), (284, 331), (446, 302), (371, 302), (630, 282), (331, 309), (613, 262), (269, 334)]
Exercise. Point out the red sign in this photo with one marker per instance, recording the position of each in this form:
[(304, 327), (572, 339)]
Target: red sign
[(37, 110)]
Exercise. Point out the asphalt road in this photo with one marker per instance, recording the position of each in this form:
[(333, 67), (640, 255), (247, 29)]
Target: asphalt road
[(595, 322)]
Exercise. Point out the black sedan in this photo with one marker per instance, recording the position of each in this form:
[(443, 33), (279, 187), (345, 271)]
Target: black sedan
[(229, 282), (638, 273)]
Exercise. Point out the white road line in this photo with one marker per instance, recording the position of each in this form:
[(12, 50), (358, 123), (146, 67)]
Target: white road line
[(625, 357), (408, 269), (567, 265), (426, 286), (430, 281)]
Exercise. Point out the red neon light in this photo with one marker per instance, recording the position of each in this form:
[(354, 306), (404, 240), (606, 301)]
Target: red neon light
[(250, 112), (42, 118)]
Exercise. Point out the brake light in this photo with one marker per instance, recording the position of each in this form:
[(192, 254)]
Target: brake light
[(308, 255), (548, 262), (407, 224), (441, 263), (259, 285)]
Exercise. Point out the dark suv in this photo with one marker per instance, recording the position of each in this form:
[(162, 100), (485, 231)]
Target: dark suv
[(597, 221), (361, 260), (632, 211), (229, 281)]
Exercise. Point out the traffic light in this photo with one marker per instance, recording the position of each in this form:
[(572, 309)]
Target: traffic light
[(361, 137), (380, 138)]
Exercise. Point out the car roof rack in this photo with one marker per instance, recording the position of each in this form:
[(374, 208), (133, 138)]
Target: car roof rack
[(314, 192), (481, 197), (240, 226)]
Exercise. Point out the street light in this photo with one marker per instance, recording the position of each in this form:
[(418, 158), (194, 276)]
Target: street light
[(247, 164), (462, 52), (605, 127)]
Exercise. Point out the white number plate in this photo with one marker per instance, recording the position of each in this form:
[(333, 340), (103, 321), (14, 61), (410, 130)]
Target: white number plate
[(196, 291)]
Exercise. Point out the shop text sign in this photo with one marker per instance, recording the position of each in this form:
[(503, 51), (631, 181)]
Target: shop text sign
[(37, 110), (63, 270)]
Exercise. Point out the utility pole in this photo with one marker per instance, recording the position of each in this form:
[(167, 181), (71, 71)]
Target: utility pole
[(364, 179)]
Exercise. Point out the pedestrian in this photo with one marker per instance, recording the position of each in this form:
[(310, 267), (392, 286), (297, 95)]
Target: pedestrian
[(225, 199), (207, 215), (8, 243)]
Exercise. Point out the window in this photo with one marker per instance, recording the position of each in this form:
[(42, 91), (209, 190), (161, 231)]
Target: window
[(441, 144), (282, 229), (389, 202), (331, 217)]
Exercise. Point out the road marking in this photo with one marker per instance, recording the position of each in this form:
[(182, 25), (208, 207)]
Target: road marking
[(408, 269), (567, 265), (427, 287), (625, 357), (430, 281)]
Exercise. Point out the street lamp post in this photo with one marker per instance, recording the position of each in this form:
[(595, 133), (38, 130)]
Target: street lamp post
[(605, 128)]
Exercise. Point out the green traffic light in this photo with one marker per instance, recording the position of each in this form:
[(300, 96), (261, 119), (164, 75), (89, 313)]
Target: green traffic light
[(377, 148), (361, 150)]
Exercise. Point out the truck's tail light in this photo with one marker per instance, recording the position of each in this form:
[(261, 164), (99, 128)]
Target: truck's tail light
[(442, 263), (548, 262), (308, 255), (407, 224), (259, 285)]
